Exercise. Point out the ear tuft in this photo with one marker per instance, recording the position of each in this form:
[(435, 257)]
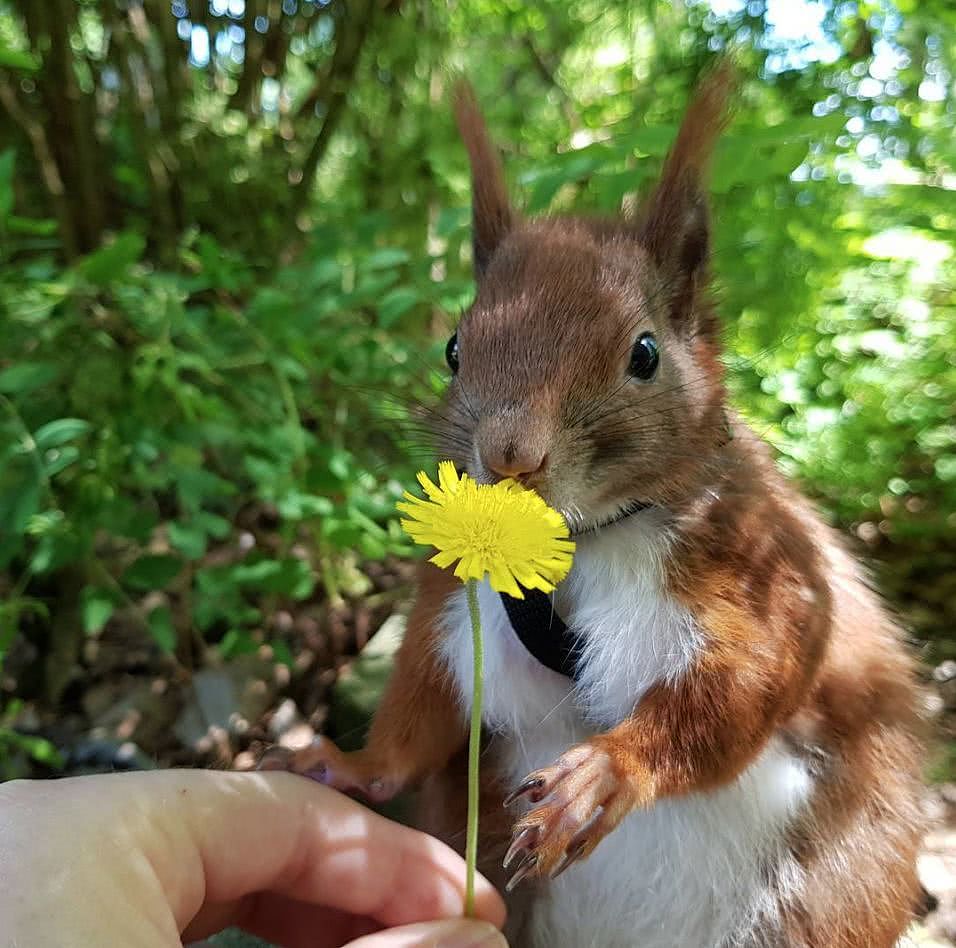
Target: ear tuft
[(492, 216), (675, 224)]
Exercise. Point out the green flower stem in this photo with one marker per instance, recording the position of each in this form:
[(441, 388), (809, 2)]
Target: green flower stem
[(474, 748)]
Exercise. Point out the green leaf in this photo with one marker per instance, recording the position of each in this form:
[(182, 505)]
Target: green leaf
[(340, 464), (17, 59), (372, 286), (96, 607), (654, 140), (32, 226), (110, 263), (161, 629), (452, 220), (38, 748), (152, 572), (545, 188), (297, 506), (237, 642), (372, 548), (287, 577), (55, 433), (396, 303), (214, 525), (27, 377), (219, 598), (739, 162), (283, 654), (58, 459), (196, 484), (326, 271), (7, 160), (385, 258), (19, 502), (188, 538)]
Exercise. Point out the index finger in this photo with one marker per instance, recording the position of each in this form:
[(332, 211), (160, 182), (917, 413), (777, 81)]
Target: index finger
[(281, 833)]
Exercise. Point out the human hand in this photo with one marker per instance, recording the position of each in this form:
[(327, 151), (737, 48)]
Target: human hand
[(160, 859)]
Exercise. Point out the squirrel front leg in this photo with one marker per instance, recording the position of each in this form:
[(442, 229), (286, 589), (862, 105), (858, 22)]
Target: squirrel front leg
[(419, 723), (693, 734)]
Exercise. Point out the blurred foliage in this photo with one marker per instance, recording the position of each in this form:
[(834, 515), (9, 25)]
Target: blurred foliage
[(234, 237)]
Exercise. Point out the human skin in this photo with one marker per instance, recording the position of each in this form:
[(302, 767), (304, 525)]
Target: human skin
[(168, 857)]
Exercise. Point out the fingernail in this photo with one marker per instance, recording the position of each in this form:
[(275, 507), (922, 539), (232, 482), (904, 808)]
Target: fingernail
[(471, 934)]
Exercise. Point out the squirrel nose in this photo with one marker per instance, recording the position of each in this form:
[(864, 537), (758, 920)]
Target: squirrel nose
[(512, 461)]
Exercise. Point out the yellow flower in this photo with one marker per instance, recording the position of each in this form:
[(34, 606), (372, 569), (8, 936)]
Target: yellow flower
[(502, 530)]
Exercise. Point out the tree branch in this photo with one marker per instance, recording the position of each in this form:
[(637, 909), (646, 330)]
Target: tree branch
[(47, 163), (69, 121), (548, 73), (355, 29)]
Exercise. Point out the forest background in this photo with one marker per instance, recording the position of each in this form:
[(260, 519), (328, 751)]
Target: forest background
[(234, 239)]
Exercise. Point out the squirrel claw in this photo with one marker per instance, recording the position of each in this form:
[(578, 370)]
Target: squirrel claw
[(275, 758), (576, 802), (525, 868), (324, 763), (528, 787), (522, 843), (573, 854)]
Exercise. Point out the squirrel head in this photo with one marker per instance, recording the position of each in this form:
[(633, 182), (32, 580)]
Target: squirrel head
[(587, 366)]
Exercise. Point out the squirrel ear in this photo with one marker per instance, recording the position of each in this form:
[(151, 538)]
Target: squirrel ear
[(492, 216), (675, 222)]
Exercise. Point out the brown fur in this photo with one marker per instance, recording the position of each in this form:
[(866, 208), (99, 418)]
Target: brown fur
[(399, 751), (491, 211), (797, 644)]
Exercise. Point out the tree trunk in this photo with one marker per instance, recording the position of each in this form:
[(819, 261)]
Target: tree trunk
[(246, 96), (70, 119), (49, 172), (145, 115)]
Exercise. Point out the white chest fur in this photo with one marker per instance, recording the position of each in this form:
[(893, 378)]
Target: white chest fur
[(688, 872), (632, 634)]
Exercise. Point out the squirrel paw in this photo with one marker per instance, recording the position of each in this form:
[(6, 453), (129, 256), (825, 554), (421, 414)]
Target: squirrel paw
[(323, 762), (582, 798)]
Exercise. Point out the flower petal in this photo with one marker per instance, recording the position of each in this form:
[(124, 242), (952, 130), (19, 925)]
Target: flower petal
[(501, 580), (433, 492), (444, 558), (501, 531)]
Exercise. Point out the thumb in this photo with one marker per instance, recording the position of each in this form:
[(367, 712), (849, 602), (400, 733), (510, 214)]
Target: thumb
[(450, 933)]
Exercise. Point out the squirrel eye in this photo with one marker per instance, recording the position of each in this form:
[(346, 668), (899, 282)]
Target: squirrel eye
[(645, 357), (451, 353)]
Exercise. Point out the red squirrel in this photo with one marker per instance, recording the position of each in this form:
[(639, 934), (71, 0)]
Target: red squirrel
[(734, 760)]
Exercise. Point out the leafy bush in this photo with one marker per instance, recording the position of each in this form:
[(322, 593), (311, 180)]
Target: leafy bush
[(233, 245), (147, 409)]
